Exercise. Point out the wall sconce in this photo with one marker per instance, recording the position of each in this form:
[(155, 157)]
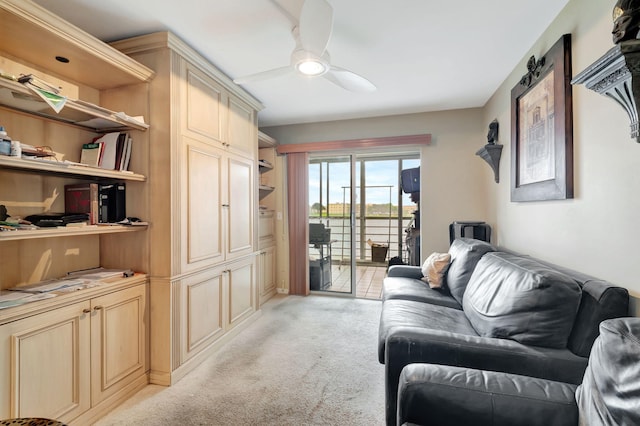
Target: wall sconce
[(491, 152)]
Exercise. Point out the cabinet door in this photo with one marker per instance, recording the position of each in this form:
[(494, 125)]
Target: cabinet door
[(44, 365), (204, 105), (243, 135), (240, 215), (118, 340), (202, 198), (201, 311), (242, 290), (267, 271)]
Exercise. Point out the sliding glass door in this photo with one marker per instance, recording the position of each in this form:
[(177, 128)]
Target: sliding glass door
[(358, 220), (331, 227)]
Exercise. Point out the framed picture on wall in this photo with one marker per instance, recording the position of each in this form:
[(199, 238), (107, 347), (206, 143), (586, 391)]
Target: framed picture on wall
[(542, 128)]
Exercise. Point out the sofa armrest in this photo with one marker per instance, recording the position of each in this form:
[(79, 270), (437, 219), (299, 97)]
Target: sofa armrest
[(405, 271), (407, 345), (436, 394)]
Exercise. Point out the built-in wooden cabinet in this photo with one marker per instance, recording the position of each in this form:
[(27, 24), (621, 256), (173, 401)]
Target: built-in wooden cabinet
[(203, 204), (267, 273), (76, 355), (267, 216), (74, 362)]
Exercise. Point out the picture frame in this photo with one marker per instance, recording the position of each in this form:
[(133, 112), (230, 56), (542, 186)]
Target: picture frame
[(542, 128)]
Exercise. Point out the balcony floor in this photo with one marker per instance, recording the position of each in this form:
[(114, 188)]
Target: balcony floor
[(368, 280)]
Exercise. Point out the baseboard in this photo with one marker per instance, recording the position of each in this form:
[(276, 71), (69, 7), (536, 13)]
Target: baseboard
[(283, 291), (95, 413), (199, 358)]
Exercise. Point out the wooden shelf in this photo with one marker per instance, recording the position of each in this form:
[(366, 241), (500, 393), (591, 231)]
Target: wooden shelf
[(264, 166), (65, 169), (37, 36), (62, 299), (67, 232), (17, 96)]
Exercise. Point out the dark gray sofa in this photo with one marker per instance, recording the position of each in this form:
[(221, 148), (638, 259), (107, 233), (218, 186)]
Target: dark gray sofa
[(609, 395), (499, 311)]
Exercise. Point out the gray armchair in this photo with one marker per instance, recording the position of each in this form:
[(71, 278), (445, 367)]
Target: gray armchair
[(609, 394)]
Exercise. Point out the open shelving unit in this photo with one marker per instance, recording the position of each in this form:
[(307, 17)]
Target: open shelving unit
[(66, 169), (19, 97), (28, 234)]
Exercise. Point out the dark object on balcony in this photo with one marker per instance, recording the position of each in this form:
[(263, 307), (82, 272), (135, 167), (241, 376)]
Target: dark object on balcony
[(476, 230), (410, 180), (320, 273), (318, 233)]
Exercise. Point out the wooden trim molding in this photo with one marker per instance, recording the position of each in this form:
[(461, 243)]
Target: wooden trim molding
[(382, 142)]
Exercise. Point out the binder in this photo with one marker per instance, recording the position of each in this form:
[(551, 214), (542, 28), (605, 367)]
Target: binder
[(82, 198), (112, 202)]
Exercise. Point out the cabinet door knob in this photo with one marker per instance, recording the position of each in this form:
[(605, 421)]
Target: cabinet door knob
[(97, 308), (86, 311), (225, 205)]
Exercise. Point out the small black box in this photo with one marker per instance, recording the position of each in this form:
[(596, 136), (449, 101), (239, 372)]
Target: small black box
[(112, 202)]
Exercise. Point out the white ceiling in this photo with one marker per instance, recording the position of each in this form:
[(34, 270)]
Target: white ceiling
[(423, 55)]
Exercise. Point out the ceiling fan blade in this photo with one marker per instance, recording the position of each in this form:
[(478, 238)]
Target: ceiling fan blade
[(291, 9), (264, 75), (316, 22), (349, 80)]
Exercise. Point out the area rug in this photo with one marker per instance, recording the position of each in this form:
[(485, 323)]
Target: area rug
[(306, 361)]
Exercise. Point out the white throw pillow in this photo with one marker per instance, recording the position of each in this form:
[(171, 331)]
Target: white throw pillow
[(434, 269)]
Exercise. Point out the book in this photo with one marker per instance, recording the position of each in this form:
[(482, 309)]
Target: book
[(91, 154), (126, 155), (82, 198), (122, 140), (109, 150)]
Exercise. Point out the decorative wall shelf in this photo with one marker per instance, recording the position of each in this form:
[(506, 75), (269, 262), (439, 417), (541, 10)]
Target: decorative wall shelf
[(617, 75), (491, 153)]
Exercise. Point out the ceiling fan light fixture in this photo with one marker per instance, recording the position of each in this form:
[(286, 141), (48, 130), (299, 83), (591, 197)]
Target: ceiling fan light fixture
[(311, 67)]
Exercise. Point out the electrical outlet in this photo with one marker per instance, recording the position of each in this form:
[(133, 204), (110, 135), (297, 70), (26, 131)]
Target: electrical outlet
[(279, 215)]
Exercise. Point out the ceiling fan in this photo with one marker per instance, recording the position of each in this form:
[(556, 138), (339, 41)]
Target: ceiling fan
[(311, 31)]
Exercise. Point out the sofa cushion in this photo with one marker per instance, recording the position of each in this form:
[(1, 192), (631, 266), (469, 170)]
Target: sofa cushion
[(515, 297), (434, 269), (610, 392), (416, 290), (407, 313), (465, 254)]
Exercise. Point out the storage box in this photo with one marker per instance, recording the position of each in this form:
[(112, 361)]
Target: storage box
[(319, 274), (379, 253)]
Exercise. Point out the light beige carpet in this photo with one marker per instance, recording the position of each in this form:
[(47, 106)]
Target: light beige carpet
[(306, 361)]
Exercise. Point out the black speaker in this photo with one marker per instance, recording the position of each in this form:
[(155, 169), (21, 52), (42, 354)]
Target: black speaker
[(475, 230)]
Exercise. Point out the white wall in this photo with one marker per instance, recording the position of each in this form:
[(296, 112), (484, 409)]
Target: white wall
[(453, 179), (598, 231)]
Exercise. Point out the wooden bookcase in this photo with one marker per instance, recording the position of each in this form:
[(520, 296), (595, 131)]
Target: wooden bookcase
[(85, 374)]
